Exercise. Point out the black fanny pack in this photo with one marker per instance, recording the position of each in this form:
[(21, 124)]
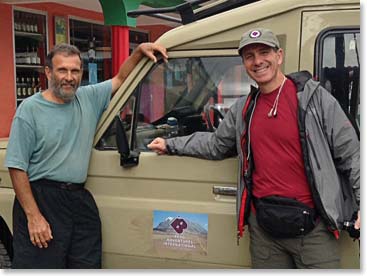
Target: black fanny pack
[(283, 217)]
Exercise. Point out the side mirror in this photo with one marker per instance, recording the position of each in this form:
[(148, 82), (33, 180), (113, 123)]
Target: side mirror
[(128, 158)]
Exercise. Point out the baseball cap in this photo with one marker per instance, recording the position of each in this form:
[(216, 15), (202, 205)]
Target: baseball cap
[(258, 35)]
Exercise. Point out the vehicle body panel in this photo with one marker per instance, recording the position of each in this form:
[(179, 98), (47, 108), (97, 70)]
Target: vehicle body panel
[(128, 198)]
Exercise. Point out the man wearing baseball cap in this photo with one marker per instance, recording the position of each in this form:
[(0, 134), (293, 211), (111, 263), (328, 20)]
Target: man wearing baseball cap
[(260, 35), (298, 152)]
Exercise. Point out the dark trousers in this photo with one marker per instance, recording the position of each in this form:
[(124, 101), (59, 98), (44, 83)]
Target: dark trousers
[(75, 224), (318, 249)]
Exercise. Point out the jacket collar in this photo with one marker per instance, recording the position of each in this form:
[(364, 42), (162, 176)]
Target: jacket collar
[(300, 78)]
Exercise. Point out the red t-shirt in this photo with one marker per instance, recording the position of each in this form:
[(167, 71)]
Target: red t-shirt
[(276, 147)]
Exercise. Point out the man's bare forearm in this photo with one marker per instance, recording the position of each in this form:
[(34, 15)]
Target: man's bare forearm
[(23, 191), (39, 230), (147, 49)]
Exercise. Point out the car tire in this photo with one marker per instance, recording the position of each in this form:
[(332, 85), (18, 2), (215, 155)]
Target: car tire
[(5, 261)]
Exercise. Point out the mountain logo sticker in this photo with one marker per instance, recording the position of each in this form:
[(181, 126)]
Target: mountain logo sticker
[(180, 232)]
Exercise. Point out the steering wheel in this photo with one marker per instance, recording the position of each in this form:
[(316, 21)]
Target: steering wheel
[(213, 124)]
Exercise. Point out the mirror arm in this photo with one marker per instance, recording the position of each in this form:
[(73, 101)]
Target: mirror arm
[(128, 158), (129, 161)]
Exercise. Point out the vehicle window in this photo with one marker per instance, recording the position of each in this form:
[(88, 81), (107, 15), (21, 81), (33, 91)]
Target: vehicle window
[(180, 97), (339, 69)]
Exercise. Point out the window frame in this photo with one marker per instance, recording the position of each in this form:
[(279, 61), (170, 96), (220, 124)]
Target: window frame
[(319, 49), (319, 53), (149, 67)]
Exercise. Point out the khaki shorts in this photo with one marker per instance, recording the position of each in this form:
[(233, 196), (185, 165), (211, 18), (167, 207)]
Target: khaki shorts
[(317, 249)]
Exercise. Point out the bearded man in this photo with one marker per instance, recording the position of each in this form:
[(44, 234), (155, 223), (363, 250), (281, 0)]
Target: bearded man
[(56, 223)]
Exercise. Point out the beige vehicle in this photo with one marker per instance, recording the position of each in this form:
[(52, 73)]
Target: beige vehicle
[(179, 212)]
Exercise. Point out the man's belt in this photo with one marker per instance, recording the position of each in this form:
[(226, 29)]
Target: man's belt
[(57, 184)]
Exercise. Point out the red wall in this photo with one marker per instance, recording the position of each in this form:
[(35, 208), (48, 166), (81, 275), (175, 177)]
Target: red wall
[(7, 71), (7, 82), (155, 31)]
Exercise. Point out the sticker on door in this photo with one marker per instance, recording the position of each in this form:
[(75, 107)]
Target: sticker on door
[(178, 231)]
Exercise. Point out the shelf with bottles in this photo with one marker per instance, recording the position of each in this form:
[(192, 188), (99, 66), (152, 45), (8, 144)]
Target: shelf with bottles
[(40, 67), (30, 52), (25, 57), (28, 83), (28, 24), (94, 42), (100, 55), (36, 36)]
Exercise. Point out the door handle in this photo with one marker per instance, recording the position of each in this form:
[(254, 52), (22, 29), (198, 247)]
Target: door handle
[(224, 190)]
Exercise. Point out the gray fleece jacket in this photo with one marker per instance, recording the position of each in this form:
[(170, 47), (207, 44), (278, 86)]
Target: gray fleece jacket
[(329, 143)]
